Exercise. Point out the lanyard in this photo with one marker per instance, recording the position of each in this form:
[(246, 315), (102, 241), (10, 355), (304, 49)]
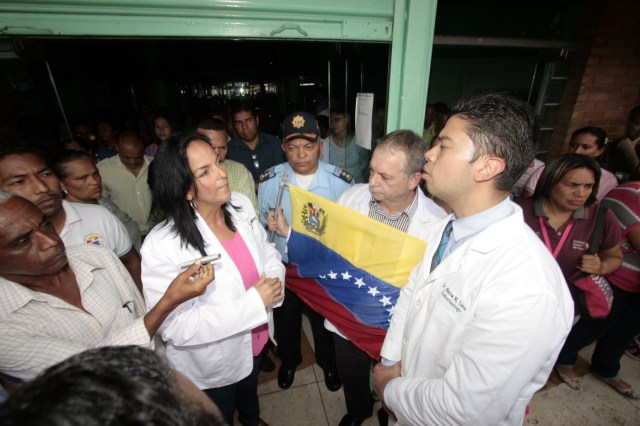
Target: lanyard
[(547, 242)]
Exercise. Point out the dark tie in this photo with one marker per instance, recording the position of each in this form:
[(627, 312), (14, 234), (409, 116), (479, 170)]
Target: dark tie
[(437, 258)]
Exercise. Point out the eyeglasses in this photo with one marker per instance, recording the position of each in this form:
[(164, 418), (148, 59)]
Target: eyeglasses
[(256, 164)]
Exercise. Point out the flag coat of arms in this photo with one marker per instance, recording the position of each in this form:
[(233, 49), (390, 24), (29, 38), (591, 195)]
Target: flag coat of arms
[(348, 267)]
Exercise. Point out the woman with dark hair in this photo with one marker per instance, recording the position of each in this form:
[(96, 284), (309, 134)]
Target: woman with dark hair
[(163, 126), (589, 141), (81, 183), (563, 212), (215, 339)]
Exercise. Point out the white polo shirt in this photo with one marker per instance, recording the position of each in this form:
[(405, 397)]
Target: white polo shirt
[(94, 225)]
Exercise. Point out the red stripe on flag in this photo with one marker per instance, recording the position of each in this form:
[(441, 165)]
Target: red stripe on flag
[(368, 339)]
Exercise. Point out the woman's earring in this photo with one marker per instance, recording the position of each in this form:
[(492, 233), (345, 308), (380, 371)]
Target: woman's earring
[(193, 205)]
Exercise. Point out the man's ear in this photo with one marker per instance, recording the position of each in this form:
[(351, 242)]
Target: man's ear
[(490, 167), (414, 180)]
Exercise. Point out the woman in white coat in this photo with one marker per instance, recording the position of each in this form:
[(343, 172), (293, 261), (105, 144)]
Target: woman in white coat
[(215, 339)]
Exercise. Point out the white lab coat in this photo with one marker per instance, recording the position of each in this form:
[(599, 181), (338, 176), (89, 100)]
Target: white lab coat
[(209, 337), (480, 334)]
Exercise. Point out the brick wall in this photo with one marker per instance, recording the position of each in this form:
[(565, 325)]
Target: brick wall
[(604, 79)]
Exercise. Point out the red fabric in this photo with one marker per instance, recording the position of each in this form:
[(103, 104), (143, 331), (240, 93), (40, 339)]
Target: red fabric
[(366, 338)]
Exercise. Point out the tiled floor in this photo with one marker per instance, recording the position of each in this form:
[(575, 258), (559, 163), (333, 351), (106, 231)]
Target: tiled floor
[(309, 403)]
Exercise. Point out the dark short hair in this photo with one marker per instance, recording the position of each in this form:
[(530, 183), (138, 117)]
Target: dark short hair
[(243, 105), (502, 126), (104, 386), (67, 156), (557, 168), (211, 124), (20, 150), (172, 178), (408, 142), (601, 135)]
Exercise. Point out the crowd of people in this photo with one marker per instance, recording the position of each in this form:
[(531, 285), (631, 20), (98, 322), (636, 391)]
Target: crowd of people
[(148, 276)]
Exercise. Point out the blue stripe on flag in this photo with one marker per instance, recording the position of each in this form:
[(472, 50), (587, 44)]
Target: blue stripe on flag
[(357, 290)]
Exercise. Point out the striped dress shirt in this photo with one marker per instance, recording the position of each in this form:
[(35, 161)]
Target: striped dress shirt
[(400, 220), (240, 180)]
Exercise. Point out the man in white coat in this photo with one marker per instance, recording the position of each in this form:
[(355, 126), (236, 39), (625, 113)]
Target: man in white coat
[(479, 325), (392, 197)]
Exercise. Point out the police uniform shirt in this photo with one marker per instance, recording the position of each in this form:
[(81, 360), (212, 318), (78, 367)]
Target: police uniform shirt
[(329, 182)]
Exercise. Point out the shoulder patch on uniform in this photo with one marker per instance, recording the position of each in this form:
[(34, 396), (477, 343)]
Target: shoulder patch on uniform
[(343, 174), (268, 174)]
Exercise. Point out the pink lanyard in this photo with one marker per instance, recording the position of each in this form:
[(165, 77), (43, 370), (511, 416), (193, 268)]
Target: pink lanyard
[(547, 242)]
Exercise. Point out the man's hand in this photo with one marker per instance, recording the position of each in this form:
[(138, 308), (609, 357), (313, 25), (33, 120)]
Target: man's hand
[(280, 226), (190, 283), (187, 285), (381, 376)]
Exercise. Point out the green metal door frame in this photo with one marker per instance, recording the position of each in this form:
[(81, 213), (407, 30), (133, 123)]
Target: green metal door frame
[(407, 24)]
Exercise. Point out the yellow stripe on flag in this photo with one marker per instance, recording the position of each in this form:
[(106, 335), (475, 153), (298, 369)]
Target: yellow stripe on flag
[(379, 249)]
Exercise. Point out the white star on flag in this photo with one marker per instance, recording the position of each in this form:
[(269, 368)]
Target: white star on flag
[(359, 282), (385, 301), (322, 276), (373, 291), (391, 309), (346, 275), (332, 275)]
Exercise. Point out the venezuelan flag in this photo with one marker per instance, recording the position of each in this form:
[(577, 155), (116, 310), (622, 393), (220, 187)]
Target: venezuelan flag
[(348, 267)]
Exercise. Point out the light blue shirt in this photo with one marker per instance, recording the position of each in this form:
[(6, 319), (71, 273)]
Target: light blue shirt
[(469, 226)]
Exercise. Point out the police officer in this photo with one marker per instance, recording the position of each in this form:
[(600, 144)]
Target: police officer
[(302, 147)]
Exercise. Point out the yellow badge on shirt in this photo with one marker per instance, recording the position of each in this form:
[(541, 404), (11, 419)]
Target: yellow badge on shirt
[(94, 240)]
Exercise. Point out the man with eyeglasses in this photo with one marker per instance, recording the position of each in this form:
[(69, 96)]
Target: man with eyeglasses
[(258, 151), (240, 179)]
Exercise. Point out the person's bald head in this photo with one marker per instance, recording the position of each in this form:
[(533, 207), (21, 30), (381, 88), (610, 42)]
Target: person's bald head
[(131, 151)]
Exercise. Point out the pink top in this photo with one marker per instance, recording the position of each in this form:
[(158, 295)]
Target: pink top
[(624, 201), (608, 181), (151, 150), (241, 256), (519, 185)]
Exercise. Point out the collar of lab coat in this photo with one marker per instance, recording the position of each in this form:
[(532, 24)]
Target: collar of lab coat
[(487, 240)]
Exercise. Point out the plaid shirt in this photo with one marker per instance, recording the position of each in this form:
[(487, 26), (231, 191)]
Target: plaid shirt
[(240, 180), (38, 330)]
